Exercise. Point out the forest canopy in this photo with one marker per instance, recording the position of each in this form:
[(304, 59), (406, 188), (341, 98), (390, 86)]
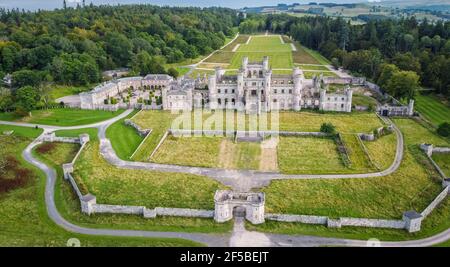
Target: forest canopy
[(73, 45)]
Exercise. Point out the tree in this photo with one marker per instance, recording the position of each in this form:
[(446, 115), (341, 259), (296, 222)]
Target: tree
[(328, 128), (23, 78), (27, 98), (386, 73), (403, 84), (6, 101), (444, 129), (173, 72)]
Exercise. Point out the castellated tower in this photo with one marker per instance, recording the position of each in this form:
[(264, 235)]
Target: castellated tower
[(348, 105), (267, 90), (298, 86), (164, 97), (240, 88), (212, 89), (244, 65), (265, 63), (323, 95)]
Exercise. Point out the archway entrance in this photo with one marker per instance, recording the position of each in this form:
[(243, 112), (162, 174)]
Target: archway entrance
[(239, 211)]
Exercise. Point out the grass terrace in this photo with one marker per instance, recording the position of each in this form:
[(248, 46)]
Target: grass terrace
[(443, 161)]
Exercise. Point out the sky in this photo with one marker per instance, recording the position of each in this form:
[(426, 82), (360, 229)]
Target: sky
[(51, 4)]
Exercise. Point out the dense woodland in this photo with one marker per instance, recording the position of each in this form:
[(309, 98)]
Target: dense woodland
[(73, 45), (399, 55)]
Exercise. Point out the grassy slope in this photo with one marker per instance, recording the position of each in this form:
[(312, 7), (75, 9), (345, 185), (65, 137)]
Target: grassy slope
[(385, 197), (124, 139), (63, 116), (443, 160), (23, 216), (58, 91), (433, 109)]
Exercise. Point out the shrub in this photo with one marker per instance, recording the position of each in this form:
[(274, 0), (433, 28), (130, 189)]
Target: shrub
[(328, 128), (444, 129)]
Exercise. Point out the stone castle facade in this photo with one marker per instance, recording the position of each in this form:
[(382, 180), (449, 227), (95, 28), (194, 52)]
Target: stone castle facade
[(255, 89)]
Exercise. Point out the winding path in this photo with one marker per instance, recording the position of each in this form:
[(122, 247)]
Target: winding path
[(240, 235)]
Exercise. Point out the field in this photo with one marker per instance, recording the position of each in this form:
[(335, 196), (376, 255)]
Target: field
[(124, 139), (62, 116), (24, 219), (432, 109), (384, 197), (210, 152), (112, 185), (311, 155)]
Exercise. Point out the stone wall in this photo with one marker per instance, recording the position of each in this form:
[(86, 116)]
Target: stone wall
[(179, 133), (141, 132), (308, 219), (435, 202)]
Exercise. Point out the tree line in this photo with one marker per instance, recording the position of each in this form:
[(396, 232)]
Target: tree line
[(73, 46), (399, 55)]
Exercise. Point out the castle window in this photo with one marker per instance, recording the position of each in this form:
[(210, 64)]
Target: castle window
[(328, 99), (342, 99), (253, 92), (290, 91), (262, 92), (232, 91), (275, 91), (218, 90), (274, 101), (226, 91), (342, 105), (232, 100), (219, 101), (282, 91)]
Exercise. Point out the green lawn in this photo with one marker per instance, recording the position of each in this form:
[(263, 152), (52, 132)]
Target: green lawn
[(432, 109), (63, 116), (27, 132), (443, 161), (23, 215), (124, 139), (58, 91), (93, 133)]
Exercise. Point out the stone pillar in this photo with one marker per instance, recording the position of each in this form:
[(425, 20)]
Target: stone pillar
[(348, 106), (222, 212), (413, 221), (212, 90), (411, 107), (84, 138), (334, 223), (427, 148), (67, 169), (149, 213), (87, 204), (446, 183)]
